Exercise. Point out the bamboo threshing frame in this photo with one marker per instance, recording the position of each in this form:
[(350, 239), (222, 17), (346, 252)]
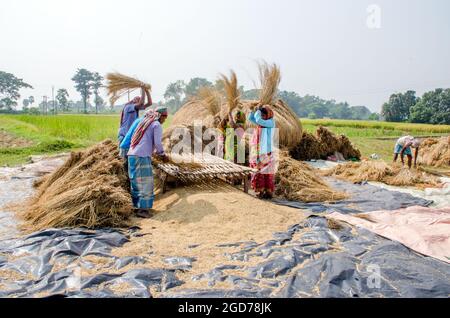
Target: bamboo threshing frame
[(210, 168)]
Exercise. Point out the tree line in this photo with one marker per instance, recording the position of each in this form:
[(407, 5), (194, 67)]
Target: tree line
[(86, 83), (179, 92), (432, 108)]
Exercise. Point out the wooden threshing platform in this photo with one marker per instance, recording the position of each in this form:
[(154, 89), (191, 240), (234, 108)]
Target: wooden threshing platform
[(204, 169)]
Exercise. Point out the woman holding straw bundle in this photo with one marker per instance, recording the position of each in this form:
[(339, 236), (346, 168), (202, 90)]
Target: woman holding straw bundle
[(261, 152), (146, 140), (130, 113)]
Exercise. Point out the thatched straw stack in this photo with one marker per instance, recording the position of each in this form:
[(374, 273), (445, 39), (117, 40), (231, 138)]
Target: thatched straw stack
[(297, 181), (119, 84), (435, 152), (91, 189), (379, 171)]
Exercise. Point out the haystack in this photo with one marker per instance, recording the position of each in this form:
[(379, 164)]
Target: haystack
[(435, 152), (91, 190), (297, 181), (288, 123), (324, 144), (379, 171), (119, 84)]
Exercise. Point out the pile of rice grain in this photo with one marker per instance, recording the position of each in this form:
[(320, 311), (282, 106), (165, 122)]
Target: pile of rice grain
[(379, 171), (297, 181), (91, 189)]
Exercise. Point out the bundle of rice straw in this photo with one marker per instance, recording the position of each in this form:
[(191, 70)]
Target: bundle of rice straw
[(91, 190), (379, 171), (297, 181), (119, 84), (270, 78), (435, 152), (231, 89)]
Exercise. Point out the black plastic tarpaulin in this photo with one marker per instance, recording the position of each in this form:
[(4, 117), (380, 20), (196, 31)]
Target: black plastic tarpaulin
[(362, 198), (308, 260)]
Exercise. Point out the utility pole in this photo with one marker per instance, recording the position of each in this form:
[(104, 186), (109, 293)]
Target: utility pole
[(53, 98), (44, 105)]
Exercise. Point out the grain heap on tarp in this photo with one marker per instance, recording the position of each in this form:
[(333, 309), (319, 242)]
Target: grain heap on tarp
[(379, 171), (91, 189), (324, 144), (288, 123), (435, 152), (119, 84), (297, 181)]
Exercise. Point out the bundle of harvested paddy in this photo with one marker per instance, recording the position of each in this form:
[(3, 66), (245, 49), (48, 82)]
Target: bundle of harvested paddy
[(231, 89), (91, 189), (118, 84), (435, 152), (297, 181), (270, 77), (380, 171)]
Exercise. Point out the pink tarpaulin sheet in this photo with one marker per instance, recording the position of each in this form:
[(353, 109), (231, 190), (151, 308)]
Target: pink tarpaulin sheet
[(425, 230)]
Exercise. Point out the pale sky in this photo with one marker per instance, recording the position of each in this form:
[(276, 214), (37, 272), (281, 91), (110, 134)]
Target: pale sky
[(324, 47)]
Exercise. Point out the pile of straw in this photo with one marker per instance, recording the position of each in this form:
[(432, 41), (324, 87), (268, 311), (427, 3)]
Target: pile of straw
[(297, 181), (119, 84), (91, 190), (435, 152), (380, 171), (324, 144)]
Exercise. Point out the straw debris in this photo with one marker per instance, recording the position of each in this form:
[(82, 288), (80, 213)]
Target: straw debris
[(91, 190), (379, 171)]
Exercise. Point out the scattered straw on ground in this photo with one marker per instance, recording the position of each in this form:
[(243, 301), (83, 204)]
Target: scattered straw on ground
[(435, 152), (297, 181), (90, 189), (379, 171)]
